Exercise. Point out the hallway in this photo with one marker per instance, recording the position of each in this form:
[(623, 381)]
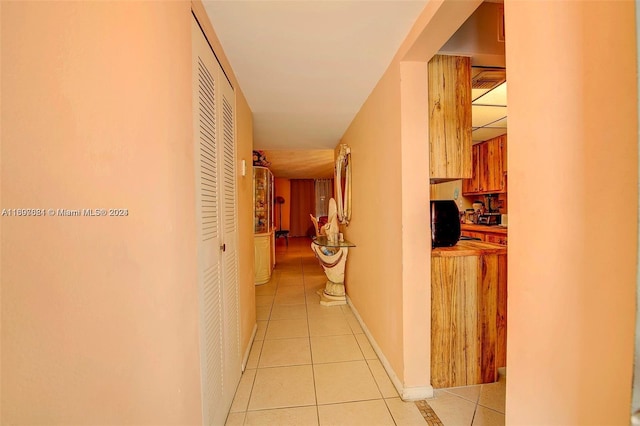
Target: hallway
[(313, 365)]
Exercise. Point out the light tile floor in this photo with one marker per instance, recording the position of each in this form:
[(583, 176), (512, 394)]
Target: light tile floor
[(479, 405), (313, 365)]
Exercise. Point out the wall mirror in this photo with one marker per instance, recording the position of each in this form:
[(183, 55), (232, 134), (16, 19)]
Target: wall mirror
[(343, 184)]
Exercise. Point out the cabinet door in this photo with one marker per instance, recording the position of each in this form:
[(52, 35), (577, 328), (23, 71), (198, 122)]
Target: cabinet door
[(503, 146), (472, 186), (492, 172), (449, 117), (496, 238), (262, 258), (471, 234), (489, 168)]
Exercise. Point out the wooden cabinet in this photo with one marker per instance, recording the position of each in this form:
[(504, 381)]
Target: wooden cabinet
[(496, 238), (489, 234), (489, 160), (468, 314), (264, 245), (472, 186), (449, 117), (471, 234)]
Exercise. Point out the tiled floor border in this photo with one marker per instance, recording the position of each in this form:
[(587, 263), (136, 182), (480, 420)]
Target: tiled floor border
[(427, 412)]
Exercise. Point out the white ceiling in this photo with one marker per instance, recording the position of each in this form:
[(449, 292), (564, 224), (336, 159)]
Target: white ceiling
[(306, 67), (488, 112)]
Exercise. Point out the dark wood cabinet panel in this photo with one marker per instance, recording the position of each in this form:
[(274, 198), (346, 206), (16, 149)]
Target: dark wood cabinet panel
[(489, 168), (495, 238), (473, 185)]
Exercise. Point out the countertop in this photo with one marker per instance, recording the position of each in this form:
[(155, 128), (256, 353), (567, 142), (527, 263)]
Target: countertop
[(469, 248), (494, 229)]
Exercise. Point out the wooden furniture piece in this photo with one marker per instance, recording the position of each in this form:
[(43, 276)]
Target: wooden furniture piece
[(468, 313), (449, 117), (332, 256), (264, 243), (489, 234), (489, 174)]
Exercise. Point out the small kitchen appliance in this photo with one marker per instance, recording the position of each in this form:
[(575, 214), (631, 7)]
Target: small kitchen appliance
[(489, 219), (492, 215), (445, 223)]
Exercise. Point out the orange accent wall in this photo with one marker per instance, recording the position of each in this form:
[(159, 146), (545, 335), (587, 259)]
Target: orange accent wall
[(283, 189), (100, 314), (573, 149)]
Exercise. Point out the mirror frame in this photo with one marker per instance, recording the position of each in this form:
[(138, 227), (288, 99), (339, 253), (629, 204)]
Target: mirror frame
[(343, 200)]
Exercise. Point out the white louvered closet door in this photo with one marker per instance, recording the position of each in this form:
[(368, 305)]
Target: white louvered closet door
[(228, 191), (216, 219)]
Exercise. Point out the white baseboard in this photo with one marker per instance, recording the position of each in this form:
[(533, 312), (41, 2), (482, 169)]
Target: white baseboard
[(245, 358), (406, 393), (417, 392)]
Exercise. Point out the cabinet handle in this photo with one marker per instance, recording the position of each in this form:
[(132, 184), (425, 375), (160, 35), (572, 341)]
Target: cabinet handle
[(223, 247)]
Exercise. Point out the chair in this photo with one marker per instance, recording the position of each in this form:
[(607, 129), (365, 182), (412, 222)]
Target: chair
[(322, 221), (283, 233), (319, 230)]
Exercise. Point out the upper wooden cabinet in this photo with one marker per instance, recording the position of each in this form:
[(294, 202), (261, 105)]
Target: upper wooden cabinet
[(489, 168), (449, 117)]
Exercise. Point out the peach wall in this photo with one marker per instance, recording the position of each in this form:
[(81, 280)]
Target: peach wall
[(374, 269), (283, 189), (416, 249), (387, 275), (246, 286), (1, 221), (100, 315), (573, 146)]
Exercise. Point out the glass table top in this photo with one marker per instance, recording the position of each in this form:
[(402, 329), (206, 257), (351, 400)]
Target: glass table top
[(324, 242)]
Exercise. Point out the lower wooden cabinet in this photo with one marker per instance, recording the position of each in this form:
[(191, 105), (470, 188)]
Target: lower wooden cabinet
[(485, 233), (496, 238), (472, 234), (468, 318)]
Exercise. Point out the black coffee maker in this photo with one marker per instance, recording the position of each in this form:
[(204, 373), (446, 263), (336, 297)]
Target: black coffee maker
[(445, 223)]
